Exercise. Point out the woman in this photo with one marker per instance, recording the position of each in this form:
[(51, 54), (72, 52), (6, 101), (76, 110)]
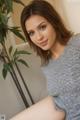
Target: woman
[(59, 51)]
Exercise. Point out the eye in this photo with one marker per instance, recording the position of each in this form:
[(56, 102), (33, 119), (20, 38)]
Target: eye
[(31, 33), (43, 27)]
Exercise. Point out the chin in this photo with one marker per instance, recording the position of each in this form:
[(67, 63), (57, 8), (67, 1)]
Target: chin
[(45, 49)]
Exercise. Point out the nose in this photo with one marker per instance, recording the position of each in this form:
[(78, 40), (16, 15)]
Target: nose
[(39, 36)]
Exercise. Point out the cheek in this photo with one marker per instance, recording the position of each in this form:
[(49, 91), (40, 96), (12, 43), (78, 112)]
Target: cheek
[(33, 41), (53, 35), (50, 32), (53, 32)]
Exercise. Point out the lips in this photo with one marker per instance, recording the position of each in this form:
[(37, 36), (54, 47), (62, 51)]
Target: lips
[(43, 43)]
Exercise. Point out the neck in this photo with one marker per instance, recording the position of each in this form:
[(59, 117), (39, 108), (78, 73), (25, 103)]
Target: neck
[(57, 50)]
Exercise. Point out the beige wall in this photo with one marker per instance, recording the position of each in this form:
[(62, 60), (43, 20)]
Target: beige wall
[(72, 11)]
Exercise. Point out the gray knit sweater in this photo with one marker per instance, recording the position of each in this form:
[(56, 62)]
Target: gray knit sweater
[(63, 79)]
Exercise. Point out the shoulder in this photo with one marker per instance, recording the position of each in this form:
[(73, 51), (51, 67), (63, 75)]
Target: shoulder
[(74, 48), (75, 40)]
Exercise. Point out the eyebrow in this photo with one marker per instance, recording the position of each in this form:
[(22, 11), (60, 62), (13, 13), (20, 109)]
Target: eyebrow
[(37, 26)]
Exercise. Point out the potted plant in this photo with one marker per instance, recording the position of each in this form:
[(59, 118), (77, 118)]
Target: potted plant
[(11, 56)]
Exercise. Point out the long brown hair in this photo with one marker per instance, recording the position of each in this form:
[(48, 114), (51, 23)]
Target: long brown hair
[(46, 10)]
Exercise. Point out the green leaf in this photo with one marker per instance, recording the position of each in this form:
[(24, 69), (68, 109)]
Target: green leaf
[(3, 18), (3, 26), (1, 38), (15, 56), (15, 53), (10, 49), (22, 52), (7, 66), (9, 5), (15, 59), (1, 3), (23, 62), (16, 28), (4, 73), (20, 2), (16, 31)]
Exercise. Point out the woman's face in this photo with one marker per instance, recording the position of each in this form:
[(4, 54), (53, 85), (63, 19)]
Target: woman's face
[(41, 32)]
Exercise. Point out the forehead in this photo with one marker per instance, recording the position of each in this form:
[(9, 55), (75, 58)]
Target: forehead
[(34, 21)]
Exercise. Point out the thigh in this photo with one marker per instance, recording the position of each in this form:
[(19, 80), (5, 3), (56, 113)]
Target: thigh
[(42, 110)]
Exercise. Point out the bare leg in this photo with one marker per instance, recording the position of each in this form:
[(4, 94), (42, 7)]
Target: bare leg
[(43, 110)]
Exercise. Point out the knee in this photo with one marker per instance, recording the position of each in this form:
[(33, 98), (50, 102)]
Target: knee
[(61, 114)]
